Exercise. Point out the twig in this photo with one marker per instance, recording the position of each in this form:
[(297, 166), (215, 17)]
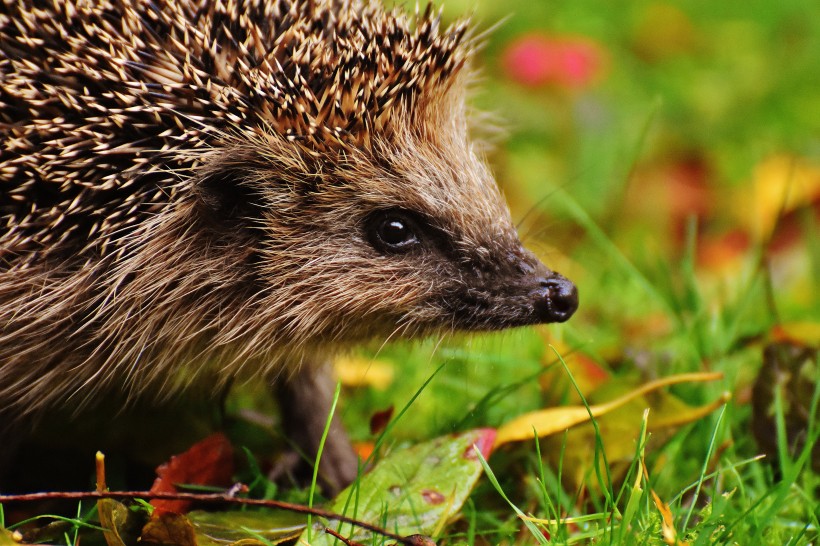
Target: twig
[(339, 536), (203, 497)]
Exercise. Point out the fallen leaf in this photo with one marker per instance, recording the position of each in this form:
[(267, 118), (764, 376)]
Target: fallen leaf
[(258, 527), (169, 528), (681, 414), (780, 184), (118, 521), (208, 462), (113, 514), (364, 372), (379, 420), (552, 420), (412, 490)]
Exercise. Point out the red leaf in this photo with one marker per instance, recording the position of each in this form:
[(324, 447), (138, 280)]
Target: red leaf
[(380, 419), (484, 443), (207, 462)]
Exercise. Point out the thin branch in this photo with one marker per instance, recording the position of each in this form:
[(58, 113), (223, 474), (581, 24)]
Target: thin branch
[(203, 497)]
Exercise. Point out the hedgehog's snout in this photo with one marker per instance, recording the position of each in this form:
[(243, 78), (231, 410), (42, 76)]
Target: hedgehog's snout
[(549, 296), (555, 299)]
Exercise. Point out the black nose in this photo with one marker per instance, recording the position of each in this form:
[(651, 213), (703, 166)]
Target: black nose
[(556, 299)]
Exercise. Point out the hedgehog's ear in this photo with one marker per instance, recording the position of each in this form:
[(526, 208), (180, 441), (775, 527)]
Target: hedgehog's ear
[(228, 198)]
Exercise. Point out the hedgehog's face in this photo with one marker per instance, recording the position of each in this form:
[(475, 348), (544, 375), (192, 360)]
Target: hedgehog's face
[(486, 287), (419, 244), (439, 226)]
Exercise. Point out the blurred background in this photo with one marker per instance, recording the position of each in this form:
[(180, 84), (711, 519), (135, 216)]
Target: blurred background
[(664, 123)]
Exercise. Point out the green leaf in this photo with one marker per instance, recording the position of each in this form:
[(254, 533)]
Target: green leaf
[(411, 491), (270, 526)]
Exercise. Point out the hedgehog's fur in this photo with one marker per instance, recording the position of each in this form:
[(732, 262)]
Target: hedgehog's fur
[(188, 185)]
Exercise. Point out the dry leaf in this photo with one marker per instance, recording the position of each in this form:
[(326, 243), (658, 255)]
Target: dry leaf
[(115, 518), (670, 535), (247, 528), (780, 184), (379, 420), (169, 528), (207, 462), (552, 420), (364, 372)]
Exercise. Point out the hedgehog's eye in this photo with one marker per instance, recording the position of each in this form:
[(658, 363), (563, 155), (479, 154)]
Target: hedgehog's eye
[(392, 231)]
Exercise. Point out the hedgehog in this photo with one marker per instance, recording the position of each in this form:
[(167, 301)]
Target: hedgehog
[(195, 191)]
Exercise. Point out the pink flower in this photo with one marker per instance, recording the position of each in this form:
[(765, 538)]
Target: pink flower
[(571, 62)]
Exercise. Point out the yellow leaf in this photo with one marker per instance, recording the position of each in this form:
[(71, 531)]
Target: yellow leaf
[(670, 535), (689, 414), (358, 372), (552, 420), (802, 333), (780, 184)]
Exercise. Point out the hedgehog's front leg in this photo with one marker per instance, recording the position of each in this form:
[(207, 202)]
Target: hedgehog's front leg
[(305, 400)]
